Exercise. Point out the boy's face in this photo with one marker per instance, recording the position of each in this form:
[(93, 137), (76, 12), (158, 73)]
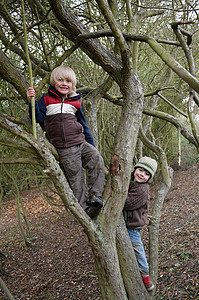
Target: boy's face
[(141, 175), (63, 86)]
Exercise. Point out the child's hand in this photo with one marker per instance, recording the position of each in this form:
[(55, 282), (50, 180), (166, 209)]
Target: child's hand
[(31, 92)]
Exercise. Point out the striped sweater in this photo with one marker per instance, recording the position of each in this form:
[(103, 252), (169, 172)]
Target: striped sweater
[(64, 121)]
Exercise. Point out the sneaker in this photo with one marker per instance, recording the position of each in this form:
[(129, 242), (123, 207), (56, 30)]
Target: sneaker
[(92, 211), (95, 201), (147, 282)]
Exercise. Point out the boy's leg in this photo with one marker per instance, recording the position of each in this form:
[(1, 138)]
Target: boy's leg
[(72, 163), (139, 250), (93, 162), (141, 257)]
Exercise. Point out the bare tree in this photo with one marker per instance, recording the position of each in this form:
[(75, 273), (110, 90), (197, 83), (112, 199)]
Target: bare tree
[(115, 262)]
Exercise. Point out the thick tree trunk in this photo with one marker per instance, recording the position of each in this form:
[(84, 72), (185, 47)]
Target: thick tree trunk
[(107, 267), (128, 265), (116, 266)]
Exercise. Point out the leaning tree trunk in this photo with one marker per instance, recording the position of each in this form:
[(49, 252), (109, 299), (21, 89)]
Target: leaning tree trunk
[(90, 107), (6, 290), (128, 264), (167, 174)]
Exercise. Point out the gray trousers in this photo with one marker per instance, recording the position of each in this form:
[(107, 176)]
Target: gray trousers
[(74, 160)]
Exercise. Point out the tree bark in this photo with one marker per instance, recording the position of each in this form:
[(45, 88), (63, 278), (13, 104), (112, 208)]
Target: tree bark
[(173, 120), (10, 74), (107, 267), (6, 290), (109, 61), (167, 175), (128, 264)]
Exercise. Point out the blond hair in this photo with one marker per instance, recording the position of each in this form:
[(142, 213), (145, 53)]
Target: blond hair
[(64, 72)]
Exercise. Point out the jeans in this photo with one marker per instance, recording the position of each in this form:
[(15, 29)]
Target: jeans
[(75, 160), (139, 250)]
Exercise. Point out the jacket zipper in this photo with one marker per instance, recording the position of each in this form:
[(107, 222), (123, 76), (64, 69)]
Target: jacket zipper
[(61, 123)]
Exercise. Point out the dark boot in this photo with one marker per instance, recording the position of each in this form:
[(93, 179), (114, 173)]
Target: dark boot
[(92, 211), (95, 201)]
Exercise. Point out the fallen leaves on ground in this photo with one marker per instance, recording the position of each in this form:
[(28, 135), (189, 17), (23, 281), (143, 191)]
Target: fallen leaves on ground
[(60, 264)]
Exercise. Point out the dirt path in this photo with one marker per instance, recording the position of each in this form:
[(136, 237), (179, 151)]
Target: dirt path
[(60, 264)]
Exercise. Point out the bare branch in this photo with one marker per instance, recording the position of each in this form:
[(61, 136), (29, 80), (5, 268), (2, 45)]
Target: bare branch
[(174, 121), (12, 75), (172, 105), (29, 70), (13, 161), (15, 143), (163, 54)]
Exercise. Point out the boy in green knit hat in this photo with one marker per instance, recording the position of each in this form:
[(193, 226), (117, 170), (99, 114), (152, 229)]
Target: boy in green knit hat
[(136, 211)]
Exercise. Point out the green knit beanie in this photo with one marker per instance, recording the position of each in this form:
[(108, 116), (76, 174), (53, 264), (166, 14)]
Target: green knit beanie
[(148, 164)]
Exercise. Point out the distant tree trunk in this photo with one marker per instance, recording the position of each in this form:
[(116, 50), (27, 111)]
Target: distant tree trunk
[(90, 112), (167, 176), (90, 107)]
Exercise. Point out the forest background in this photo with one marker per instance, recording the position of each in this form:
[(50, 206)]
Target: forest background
[(137, 69)]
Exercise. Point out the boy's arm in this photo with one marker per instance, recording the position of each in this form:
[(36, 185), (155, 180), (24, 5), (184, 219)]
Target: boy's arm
[(135, 200), (40, 110), (81, 119)]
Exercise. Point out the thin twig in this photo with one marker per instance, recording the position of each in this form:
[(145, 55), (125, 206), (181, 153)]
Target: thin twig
[(30, 70)]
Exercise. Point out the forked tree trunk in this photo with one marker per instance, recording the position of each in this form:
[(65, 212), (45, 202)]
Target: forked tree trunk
[(116, 266), (107, 268)]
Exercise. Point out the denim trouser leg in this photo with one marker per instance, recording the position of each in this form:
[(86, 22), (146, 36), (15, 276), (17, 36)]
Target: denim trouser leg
[(139, 250)]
